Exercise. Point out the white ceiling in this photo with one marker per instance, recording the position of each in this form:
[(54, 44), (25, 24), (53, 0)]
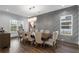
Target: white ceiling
[(23, 10)]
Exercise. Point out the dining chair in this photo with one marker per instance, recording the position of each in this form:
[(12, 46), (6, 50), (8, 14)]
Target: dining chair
[(38, 38), (36, 30), (19, 35), (30, 39), (24, 37), (42, 31), (47, 31), (55, 37), (52, 41)]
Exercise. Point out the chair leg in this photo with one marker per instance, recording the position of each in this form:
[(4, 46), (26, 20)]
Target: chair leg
[(24, 41), (21, 39), (31, 42), (36, 45), (41, 45), (55, 45)]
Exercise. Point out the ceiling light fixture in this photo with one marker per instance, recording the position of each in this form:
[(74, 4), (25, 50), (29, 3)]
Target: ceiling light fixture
[(32, 7)]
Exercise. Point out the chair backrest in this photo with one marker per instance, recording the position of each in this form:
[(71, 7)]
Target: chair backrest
[(36, 30), (55, 35), (41, 30), (47, 31), (29, 36), (19, 33), (38, 37), (24, 35)]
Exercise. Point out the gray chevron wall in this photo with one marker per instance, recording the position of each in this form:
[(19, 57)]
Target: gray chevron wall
[(51, 21)]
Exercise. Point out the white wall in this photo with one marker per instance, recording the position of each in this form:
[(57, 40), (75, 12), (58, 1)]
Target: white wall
[(5, 22), (78, 25), (26, 26)]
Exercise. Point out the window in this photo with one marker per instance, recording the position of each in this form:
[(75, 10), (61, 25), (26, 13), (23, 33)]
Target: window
[(15, 25), (66, 25)]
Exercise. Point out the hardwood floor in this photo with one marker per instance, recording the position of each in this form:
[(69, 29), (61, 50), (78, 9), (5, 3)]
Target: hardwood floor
[(17, 47)]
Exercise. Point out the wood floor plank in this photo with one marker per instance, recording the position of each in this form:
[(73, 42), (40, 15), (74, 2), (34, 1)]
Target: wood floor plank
[(17, 47)]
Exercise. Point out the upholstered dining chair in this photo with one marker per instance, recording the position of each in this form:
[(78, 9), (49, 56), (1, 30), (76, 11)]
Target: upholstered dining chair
[(24, 37), (55, 37), (42, 31), (36, 30), (30, 38), (47, 31), (52, 41), (38, 38), (19, 35)]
